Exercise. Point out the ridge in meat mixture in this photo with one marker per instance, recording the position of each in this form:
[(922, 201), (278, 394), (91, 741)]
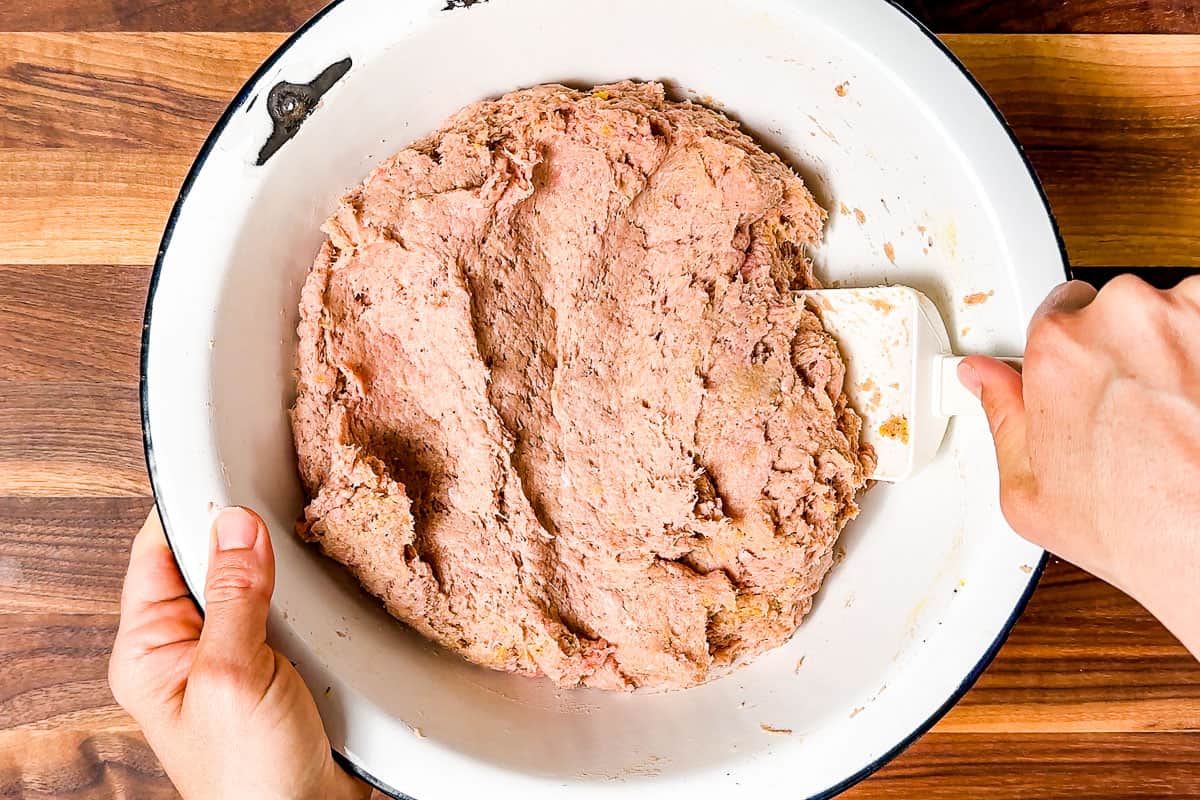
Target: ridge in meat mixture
[(558, 408)]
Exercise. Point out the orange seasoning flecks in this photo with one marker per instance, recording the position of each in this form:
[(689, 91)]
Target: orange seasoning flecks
[(895, 428)]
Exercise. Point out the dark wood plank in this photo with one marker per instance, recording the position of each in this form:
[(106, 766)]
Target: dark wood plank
[(1084, 657), (72, 764), (1041, 767), (65, 556), (1089, 697), (1083, 661), (72, 323), (1057, 16), (1159, 277), (1109, 123), (82, 324), (56, 666), (156, 15), (64, 439), (964, 16), (121, 91)]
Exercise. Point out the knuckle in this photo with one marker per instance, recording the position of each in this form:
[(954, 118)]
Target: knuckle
[(219, 676), (1124, 397), (1186, 295), (1189, 286), (1130, 298), (1050, 333), (117, 683), (1018, 503), (125, 686), (232, 681), (998, 416), (125, 673), (1125, 284), (231, 580)]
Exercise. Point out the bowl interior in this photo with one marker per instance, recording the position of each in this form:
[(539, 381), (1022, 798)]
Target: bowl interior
[(924, 187)]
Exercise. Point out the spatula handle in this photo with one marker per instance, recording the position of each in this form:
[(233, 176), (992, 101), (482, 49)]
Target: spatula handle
[(952, 398)]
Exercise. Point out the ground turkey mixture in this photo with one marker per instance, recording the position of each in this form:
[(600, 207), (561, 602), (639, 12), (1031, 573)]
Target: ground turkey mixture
[(558, 408)]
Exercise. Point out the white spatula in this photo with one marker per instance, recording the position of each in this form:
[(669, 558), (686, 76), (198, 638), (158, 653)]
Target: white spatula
[(901, 374)]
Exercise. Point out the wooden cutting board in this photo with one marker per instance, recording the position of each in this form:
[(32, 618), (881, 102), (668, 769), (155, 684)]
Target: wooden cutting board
[(103, 104)]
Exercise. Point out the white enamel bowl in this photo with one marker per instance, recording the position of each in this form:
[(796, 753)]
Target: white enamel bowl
[(932, 578)]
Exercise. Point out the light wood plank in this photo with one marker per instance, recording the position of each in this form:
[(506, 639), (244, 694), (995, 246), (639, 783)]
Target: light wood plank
[(1107, 121), (86, 207)]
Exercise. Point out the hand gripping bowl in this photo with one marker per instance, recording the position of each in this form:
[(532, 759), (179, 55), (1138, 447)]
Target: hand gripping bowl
[(925, 187)]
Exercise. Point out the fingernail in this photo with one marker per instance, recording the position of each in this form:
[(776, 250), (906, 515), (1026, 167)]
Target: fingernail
[(237, 529), (969, 378)]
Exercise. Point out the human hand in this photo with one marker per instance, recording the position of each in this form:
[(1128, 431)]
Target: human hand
[(1098, 441), (226, 715)]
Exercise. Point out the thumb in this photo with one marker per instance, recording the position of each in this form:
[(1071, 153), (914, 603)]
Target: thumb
[(1000, 388), (241, 578)]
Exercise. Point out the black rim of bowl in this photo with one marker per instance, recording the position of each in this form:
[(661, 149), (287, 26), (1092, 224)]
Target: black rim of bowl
[(243, 97)]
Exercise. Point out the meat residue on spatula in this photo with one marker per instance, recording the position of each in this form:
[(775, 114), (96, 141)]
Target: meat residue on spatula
[(558, 408)]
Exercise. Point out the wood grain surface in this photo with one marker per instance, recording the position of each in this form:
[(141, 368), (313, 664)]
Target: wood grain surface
[(156, 15), (944, 16), (1057, 16), (90, 164), (105, 103)]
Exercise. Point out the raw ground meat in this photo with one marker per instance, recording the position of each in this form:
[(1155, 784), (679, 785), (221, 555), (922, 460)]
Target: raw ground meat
[(558, 406)]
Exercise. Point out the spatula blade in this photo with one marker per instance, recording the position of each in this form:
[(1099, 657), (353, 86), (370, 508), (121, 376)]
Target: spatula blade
[(893, 340)]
